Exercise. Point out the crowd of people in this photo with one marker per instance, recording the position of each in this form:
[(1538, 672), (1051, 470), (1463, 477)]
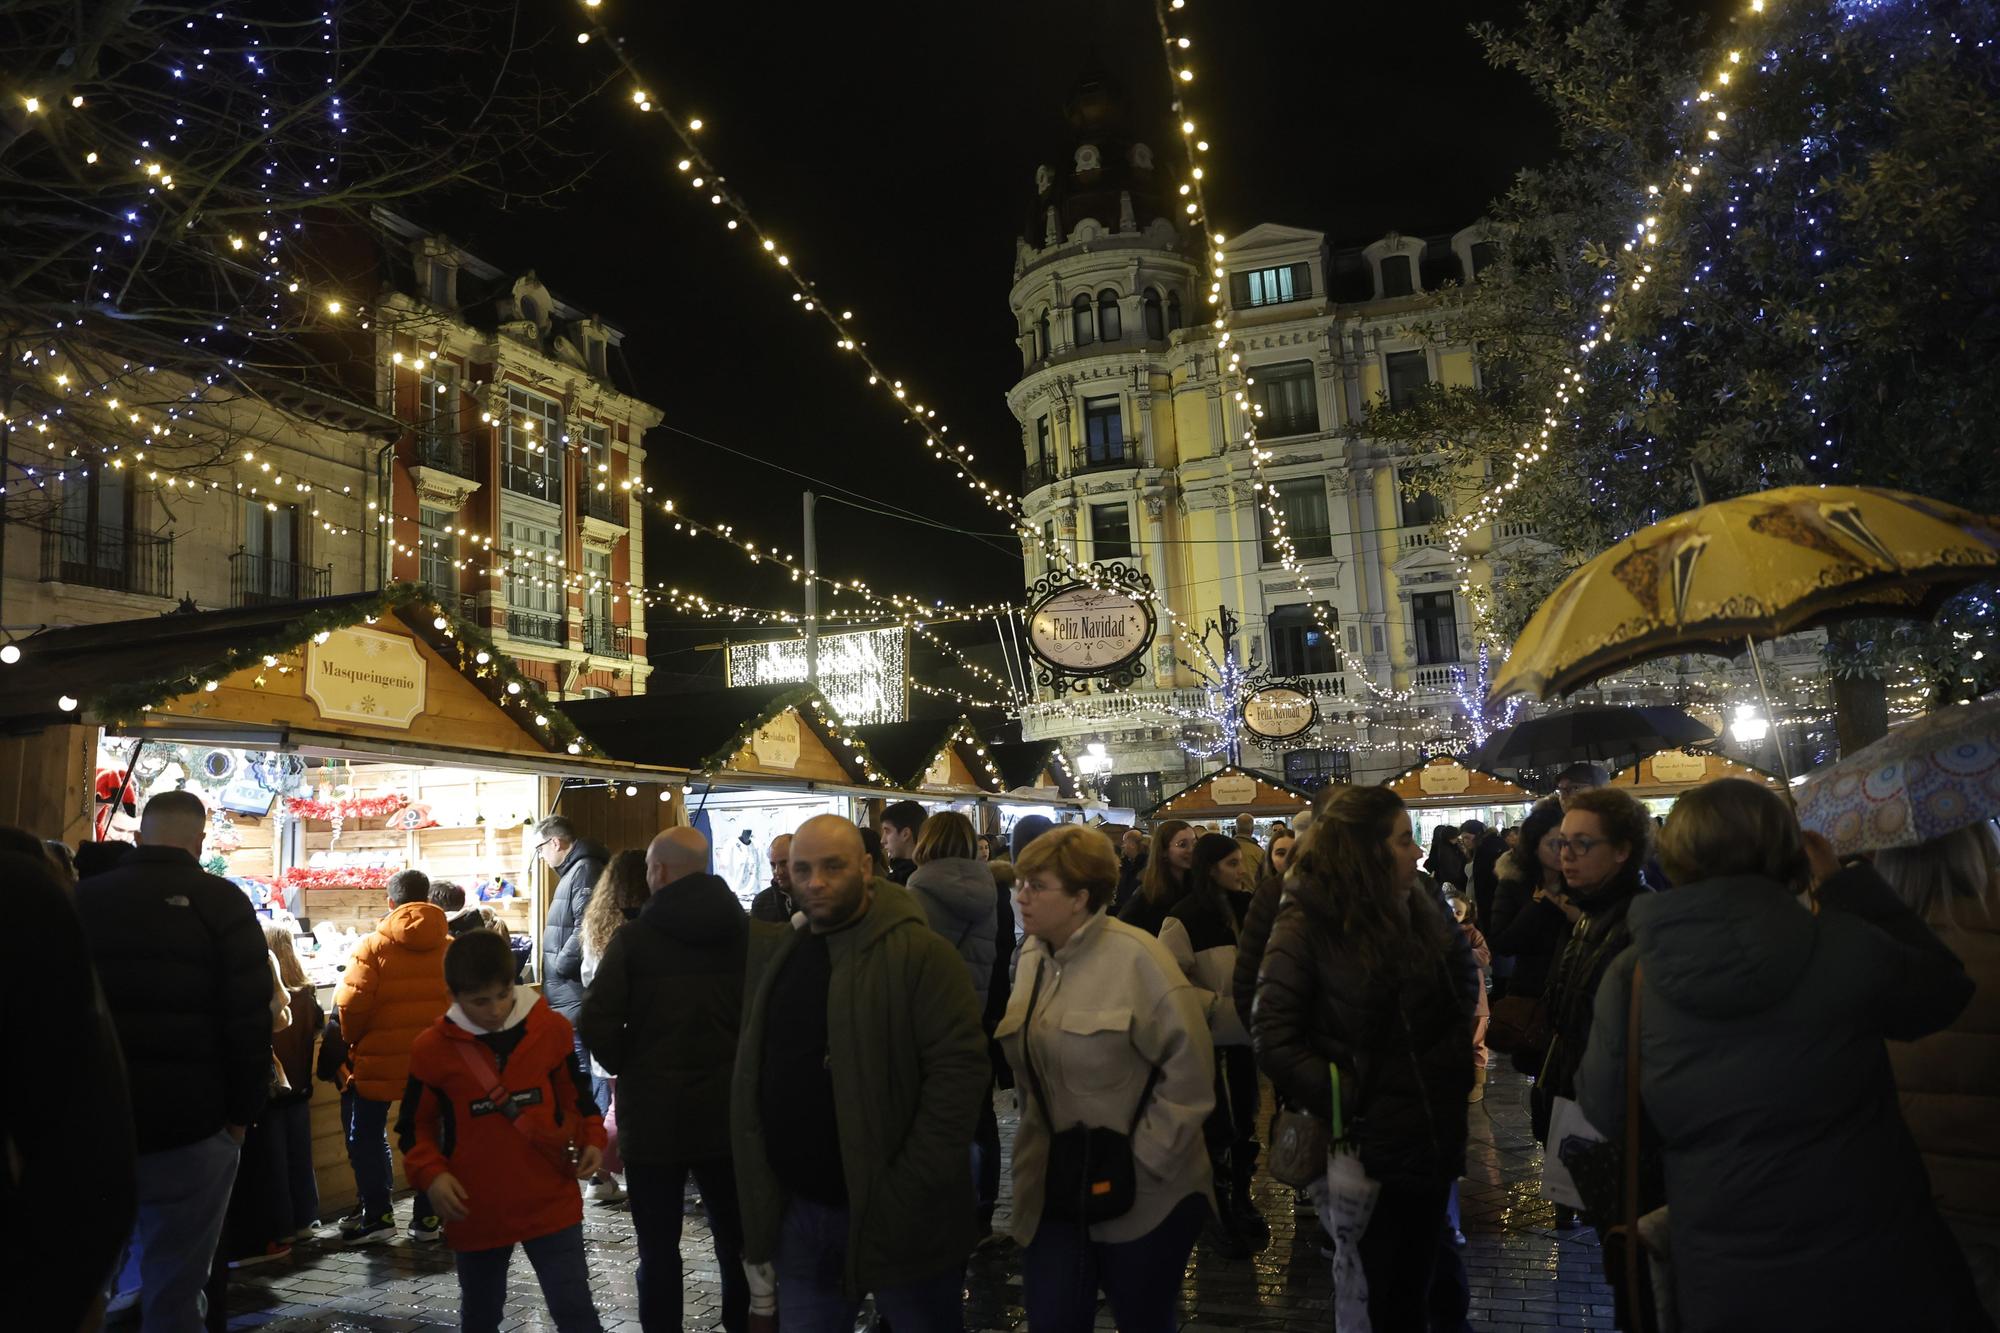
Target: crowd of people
[(1818, 1059)]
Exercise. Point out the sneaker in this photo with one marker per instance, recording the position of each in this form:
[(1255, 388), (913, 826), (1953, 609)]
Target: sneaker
[(270, 1254), (426, 1228), (368, 1230), (1457, 1238), (605, 1189)]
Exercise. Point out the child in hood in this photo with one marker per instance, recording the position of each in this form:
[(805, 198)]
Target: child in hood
[(498, 1125)]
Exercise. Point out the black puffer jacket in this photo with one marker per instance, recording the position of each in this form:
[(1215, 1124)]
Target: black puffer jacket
[(1529, 932), (1599, 936), (663, 1013), (562, 932), (1251, 942), (188, 980), (1404, 1047)]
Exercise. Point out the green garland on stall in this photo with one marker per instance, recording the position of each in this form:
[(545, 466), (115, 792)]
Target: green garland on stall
[(125, 702)]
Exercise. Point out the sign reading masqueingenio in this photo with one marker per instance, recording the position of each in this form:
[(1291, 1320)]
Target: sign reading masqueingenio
[(364, 675)]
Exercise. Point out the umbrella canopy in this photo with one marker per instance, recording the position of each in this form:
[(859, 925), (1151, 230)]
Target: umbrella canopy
[(1934, 776), (1578, 734), (1756, 566)]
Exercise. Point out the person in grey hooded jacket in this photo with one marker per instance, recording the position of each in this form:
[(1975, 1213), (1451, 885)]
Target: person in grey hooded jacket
[(1796, 1197), (955, 889)]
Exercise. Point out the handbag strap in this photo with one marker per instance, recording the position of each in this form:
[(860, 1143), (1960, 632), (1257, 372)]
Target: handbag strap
[(488, 1078), (1632, 1114)]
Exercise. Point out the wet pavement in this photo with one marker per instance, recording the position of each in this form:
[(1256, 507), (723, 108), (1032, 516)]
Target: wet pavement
[(1524, 1273)]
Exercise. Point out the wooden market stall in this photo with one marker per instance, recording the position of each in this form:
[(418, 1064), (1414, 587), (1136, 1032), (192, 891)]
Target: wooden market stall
[(1657, 779), (933, 758), (335, 743), (1228, 792), (1445, 791)]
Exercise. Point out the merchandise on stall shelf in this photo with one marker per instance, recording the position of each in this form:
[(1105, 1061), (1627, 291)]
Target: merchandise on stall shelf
[(492, 890), (338, 877), (413, 816), (345, 807)]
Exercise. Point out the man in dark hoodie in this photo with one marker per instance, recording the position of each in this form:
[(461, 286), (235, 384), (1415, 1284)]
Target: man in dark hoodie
[(662, 1014)]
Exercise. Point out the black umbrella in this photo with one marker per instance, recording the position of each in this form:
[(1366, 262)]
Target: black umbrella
[(1578, 735)]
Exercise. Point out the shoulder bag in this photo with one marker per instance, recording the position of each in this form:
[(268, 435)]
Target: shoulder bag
[(563, 1152), (1091, 1176)]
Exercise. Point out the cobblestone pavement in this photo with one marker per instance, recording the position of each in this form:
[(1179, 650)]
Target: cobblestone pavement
[(1524, 1273)]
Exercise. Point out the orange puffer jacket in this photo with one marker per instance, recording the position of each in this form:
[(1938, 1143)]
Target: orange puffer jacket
[(392, 990)]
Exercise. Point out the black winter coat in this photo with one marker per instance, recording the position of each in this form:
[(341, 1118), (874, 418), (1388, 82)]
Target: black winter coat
[(1146, 914), (188, 980), (562, 931), (772, 904), (1251, 942), (663, 1013), (1599, 936), (1529, 932), (1404, 1047), (1798, 1199)]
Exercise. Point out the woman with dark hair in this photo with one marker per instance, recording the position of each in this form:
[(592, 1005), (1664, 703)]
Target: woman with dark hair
[(1201, 932), (1528, 923), (1602, 848), (1446, 861), (1256, 932), (1365, 972), (1165, 877), (1762, 1069)]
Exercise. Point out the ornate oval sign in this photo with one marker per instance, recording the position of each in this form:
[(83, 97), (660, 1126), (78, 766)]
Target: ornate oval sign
[(1079, 630), (1279, 712)]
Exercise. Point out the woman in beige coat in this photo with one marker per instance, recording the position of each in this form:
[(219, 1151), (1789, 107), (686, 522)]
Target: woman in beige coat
[(1103, 1032)]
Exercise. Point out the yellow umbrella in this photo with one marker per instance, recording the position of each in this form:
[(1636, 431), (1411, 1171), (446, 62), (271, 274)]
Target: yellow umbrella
[(1754, 567)]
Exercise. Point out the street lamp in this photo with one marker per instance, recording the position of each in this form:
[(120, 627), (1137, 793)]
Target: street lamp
[(1749, 728)]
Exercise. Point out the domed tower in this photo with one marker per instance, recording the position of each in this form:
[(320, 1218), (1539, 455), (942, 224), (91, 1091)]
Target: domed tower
[(1104, 290)]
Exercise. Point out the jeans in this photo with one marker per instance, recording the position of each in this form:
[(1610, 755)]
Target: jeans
[(1062, 1270), (294, 1186), (657, 1194), (812, 1261), (1416, 1281), (183, 1197), (367, 1123), (560, 1267)]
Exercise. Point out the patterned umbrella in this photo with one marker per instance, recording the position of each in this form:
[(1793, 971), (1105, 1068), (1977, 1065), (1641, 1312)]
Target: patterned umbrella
[(1931, 777)]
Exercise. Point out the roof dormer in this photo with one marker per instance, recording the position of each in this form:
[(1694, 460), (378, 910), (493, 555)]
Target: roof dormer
[(1396, 262)]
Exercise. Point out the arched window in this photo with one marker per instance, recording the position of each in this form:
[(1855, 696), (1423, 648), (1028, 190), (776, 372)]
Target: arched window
[(1107, 317), (1156, 323), (1081, 333), (1173, 310), (1042, 334)]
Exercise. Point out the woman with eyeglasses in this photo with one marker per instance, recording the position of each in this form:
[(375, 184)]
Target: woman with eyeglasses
[(1601, 848)]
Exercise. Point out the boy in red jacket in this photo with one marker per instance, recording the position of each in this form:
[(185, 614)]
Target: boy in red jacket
[(497, 1126)]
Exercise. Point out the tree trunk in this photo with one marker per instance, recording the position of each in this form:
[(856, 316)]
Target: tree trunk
[(1860, 711)]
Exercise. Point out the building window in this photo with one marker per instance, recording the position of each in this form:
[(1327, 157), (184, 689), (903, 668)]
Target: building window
[(1042, 335), (534, 438), (1484, 255), (1312, 769), (1436, 626), (438, 442), (1421, 509), (1110, 531), (1173, 311), (440, 285), (1408, 373), (93, 532), (1051, 553), (1396, 276), (1302, 640), (1132, 791), (1289, 398), (1108, 327), (597, 595), (1156, 320), (534, 576), (1271, 286), (437, 550), (1042, 441), (594, 350), (1081, 324), (1103, 430), (1302, 504)]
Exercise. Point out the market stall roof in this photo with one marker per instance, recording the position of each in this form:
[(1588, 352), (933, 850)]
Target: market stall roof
[(1446, 782), (394, 670), (932, 754), (1232, 791), (783, 731), (1671, 772), (1034, 768)]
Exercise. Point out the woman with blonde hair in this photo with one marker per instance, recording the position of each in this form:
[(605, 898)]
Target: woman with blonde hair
[(1762, 1069), (621, 891), (288, 1121), (1165, 879), (1949, 1083)]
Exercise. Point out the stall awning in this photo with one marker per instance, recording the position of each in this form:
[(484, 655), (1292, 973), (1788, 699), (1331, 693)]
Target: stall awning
[(1446, 782), (390, 672), (933, 755), (1034, 769), (1671, 772), (1232, 791), (735, 736)]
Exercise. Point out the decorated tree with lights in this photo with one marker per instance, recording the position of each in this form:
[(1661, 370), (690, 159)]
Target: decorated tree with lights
[(1771, 248), (187, 205)]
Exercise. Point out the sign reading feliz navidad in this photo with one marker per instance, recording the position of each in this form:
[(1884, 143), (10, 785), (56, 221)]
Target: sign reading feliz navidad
[(1279, 712), (1076, 629)]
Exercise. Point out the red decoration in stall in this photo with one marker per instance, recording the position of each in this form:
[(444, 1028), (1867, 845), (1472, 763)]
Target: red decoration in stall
[(347, 807), (338, 877)]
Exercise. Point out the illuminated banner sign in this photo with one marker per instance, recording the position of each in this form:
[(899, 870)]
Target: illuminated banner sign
[(1081, 631), (364, 675), (864, 674), (1278, 713)]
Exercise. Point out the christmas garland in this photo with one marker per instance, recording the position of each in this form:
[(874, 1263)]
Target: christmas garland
[(338, 877), (348, 807), (809, 703)]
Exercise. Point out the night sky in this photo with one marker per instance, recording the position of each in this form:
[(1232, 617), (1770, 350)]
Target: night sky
[(892, 148)]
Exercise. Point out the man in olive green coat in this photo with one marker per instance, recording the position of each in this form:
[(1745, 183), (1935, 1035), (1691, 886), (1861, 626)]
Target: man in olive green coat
[(856, 1092)]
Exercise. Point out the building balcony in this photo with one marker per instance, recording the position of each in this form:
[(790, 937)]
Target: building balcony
[(464, 605), (1040, 473), (605, 639), (261, 580), (537, 628), (530, 481), (1441, 678), (1086, 458), (1511, 531), (607, 505), (113, 559)]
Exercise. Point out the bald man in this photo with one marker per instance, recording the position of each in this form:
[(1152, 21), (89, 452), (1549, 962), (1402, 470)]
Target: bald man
[(857, 1087), (662, 1015), (774, 902), (187, 982)]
